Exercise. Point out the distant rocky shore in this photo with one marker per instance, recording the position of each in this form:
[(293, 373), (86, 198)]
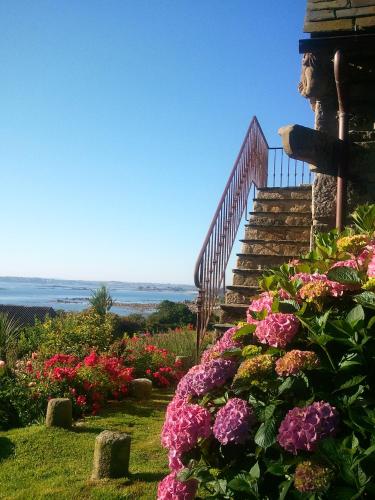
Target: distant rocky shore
[(136, 306)]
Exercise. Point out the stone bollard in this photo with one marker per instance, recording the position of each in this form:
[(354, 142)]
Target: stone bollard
[(141, 388), (59, 413), (111, 455), (185, 362)]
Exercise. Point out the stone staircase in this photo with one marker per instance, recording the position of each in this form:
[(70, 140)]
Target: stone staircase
[(278, 230)]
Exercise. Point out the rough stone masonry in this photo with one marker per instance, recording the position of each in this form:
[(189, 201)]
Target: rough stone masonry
[(347, 25)]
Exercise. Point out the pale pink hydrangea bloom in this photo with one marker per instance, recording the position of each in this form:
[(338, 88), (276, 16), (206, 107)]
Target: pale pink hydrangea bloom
[(233, 422), (170, 488), (264, 302), (277, 330), (226, 342), (303, 428)]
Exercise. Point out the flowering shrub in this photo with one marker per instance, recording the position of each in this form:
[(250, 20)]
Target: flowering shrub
[(89, 383), (283, 406), (148, 360), (75, 333)]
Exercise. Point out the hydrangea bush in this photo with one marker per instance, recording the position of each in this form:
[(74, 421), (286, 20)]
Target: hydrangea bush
[(283, 406)]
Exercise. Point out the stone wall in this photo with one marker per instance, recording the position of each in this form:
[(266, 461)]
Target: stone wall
[(332, 18), (339, 15)]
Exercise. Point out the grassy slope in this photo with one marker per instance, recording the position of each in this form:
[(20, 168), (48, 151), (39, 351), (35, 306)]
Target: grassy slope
[(36, 462)]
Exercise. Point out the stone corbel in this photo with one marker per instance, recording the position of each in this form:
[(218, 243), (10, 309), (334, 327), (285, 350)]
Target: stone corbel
[(321, 151)]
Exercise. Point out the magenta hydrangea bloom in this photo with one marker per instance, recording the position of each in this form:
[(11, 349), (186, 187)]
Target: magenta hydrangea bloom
[(277, 330), (303, 428), (233, 422), (226, 342), (258, 305), (170, 488), (203, 378), (184, 424)]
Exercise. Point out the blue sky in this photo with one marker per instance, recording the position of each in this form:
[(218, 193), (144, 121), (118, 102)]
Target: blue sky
[(120, 121)]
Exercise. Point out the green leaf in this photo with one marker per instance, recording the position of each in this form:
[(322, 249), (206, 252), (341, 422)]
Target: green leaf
[(286, 385), (344, 275), (266, 434), (255, 471), (356, 315), (231, 353), (288, 306), (351, 383), (342, 493), (244, 483), (284, 488), (371, 323), (244, 331), (366, 299)]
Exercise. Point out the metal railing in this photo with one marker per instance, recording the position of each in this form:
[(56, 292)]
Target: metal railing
[(250, 167), (283, 171)]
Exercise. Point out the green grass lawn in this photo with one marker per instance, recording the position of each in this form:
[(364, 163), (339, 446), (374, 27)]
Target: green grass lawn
[(38, 462)]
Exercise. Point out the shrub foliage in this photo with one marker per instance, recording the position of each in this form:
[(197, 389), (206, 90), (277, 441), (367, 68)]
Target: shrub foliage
[(289, 412)]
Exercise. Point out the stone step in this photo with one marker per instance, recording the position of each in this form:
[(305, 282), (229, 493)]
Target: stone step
[(221, 328), (280, 218), (303, 192), (246, 277), (295, 233), (240, 298), (233, 312), (256, 261), (275, 247), (246, 290), (280, 205), (241, 294)]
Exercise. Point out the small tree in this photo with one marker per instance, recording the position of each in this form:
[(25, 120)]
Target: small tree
[(170, 315), (101, 300), (9, 333)]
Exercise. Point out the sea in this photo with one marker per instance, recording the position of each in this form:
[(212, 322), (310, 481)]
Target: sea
[(69, 295)]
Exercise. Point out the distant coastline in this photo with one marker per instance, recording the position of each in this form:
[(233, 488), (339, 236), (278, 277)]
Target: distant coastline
[(73, 295)]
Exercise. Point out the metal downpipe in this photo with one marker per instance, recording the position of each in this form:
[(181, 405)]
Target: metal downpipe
[(343, 135)]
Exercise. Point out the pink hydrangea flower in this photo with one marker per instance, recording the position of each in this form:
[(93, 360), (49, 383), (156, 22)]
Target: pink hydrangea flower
[(170, 488), (226, 342), (303, 428), (345, 263), (258, 305), (203, 378), (308, 278), (371, 268), (294, 361), (365, 256), (335, 289), (277, 330), (233, 422), (184, 424)]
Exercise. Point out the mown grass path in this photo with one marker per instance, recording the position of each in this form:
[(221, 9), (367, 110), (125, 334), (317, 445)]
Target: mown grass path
[(41, 463)]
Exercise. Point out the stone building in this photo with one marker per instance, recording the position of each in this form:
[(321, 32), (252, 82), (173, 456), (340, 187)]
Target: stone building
[(338, 78)]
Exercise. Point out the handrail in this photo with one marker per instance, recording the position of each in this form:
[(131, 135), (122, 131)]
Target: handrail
[(250, 167)]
